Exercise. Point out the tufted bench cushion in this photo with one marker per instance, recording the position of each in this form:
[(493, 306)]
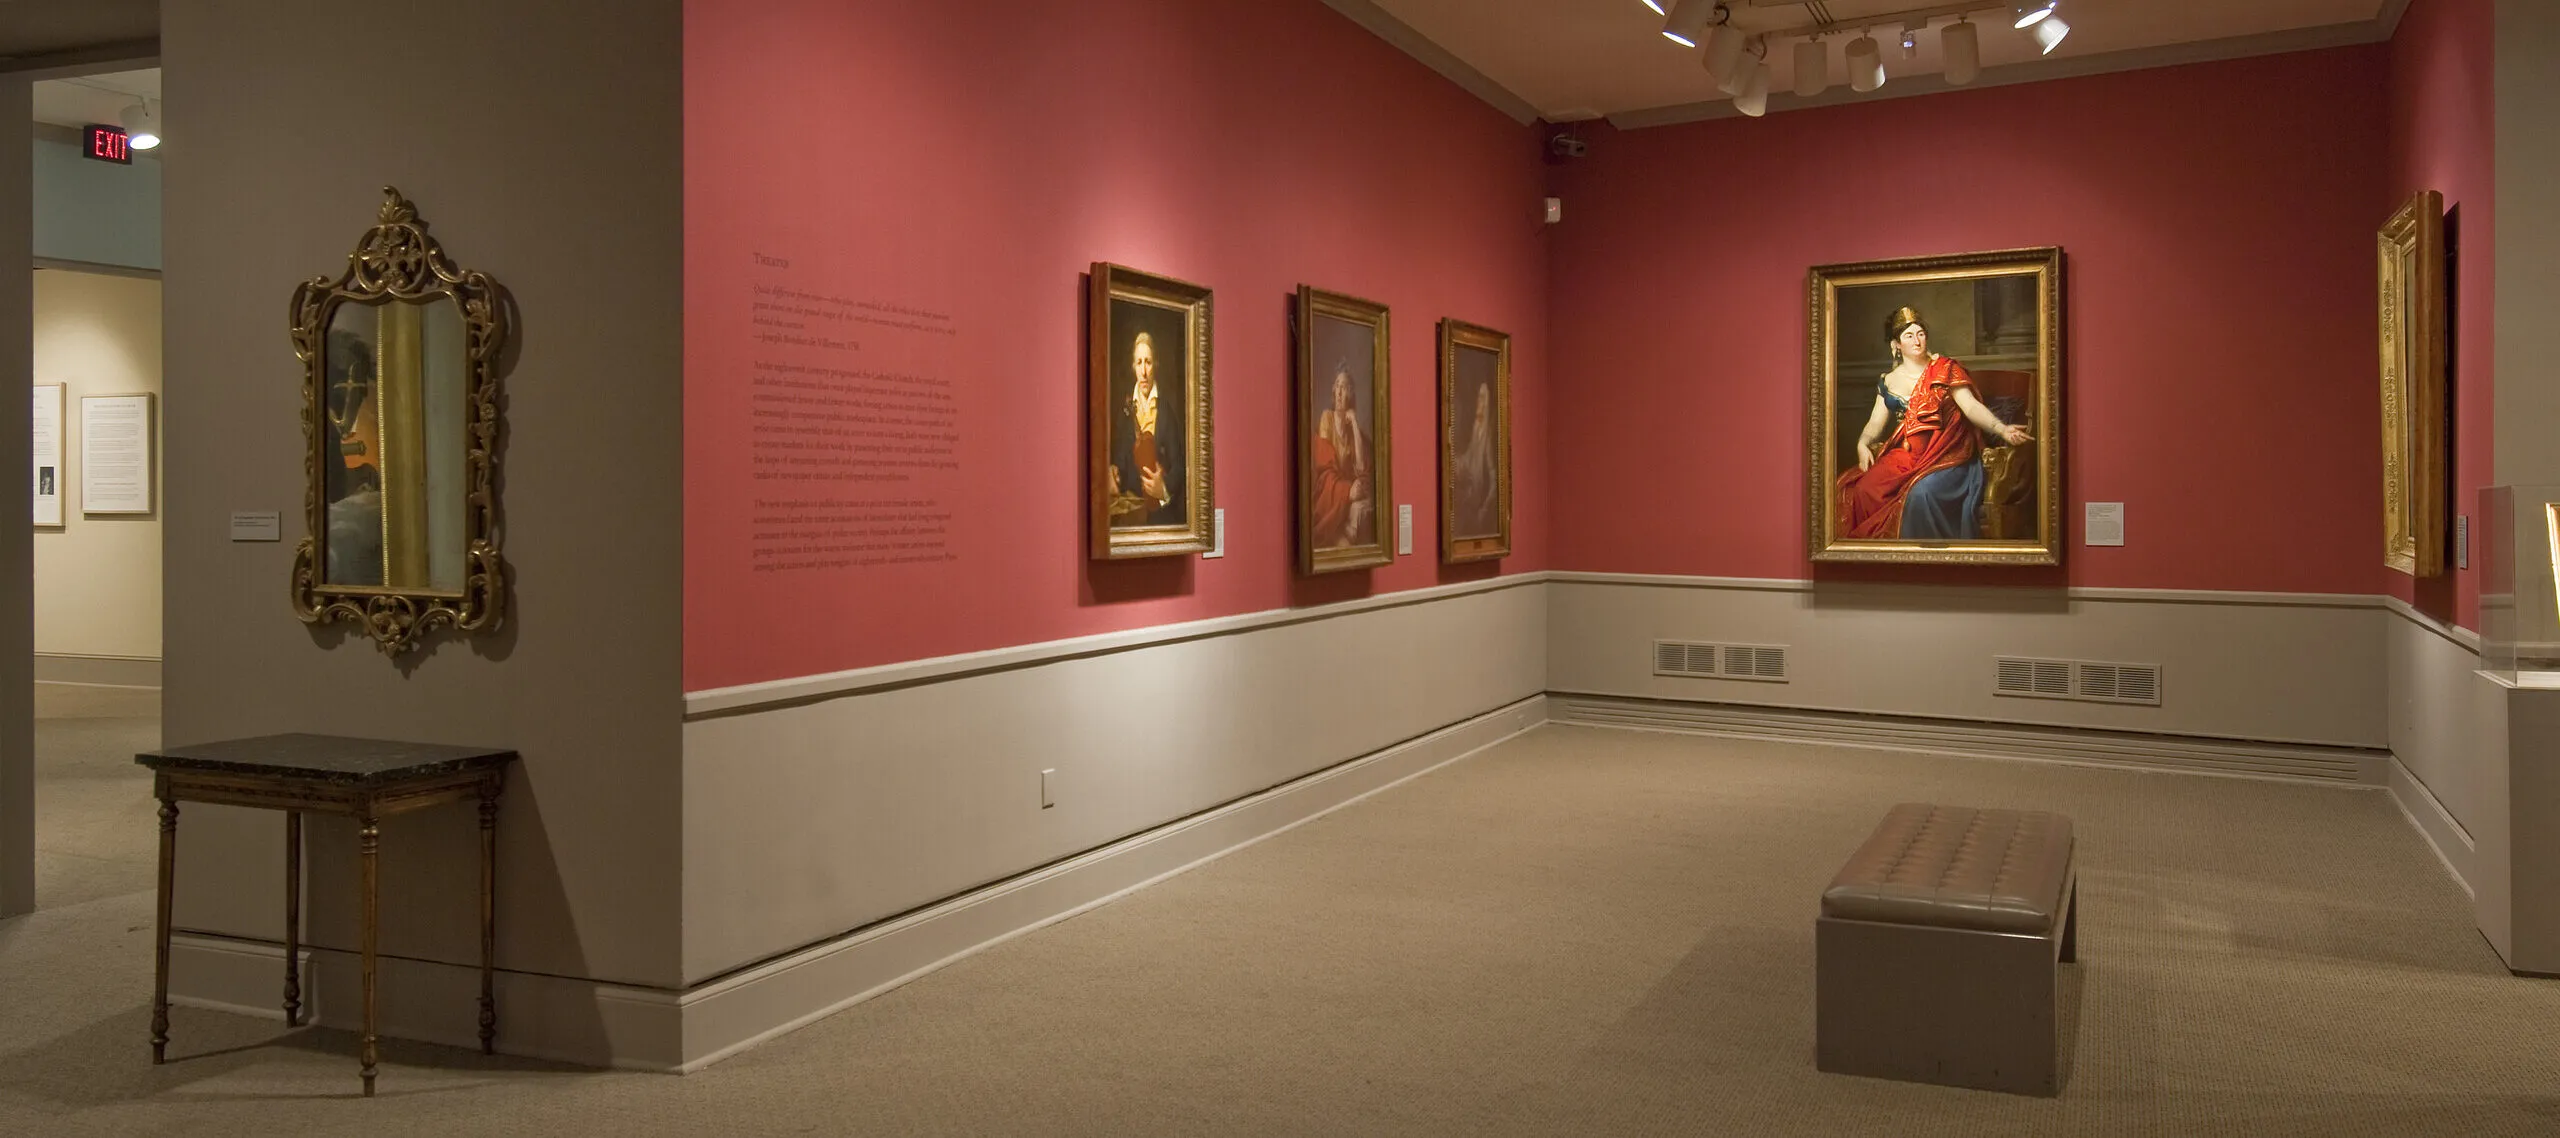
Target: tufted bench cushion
[(1958, 867)]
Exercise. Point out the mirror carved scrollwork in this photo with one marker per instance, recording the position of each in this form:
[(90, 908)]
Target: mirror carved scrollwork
[(400, 429)]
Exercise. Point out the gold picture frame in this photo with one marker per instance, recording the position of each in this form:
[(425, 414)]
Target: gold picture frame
[(2410, 286), (1344, 428), (1143, 502), (1475, 443), (1964, 465), (435, 509)]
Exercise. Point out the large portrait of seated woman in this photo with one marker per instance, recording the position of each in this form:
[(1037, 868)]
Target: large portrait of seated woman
[(1934, 396)]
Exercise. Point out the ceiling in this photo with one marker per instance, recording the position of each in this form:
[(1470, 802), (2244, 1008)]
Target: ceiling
[(33, 30), (85, 99), (1580, 59)]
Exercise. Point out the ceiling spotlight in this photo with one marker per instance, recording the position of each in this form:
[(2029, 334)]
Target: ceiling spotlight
[(141, 125), (1866, 63), (1724, 54), (1754, 97), (1961, 44), (1733, 82), (1656, 5), (1813, 68), (2048, 34), (2032, 11), (1688, 18)]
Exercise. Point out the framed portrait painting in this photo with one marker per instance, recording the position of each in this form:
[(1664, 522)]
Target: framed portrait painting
[(1147, 388), (1475, 443), (2409, 264), (1343, 428), (1934, 409)]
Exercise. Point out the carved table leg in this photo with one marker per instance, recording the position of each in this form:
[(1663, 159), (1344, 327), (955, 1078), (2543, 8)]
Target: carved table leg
[(488, 917), (292, 918), (160, 947), (369, 846)]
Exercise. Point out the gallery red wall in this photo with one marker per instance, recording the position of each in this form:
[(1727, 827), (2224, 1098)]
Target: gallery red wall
[(2442, 137), (2218, 220), (959, 167)]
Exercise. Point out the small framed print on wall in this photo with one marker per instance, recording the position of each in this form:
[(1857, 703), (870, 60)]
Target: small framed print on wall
[(115, 454), (1343, 432), (1147, 391), (1475, 442)]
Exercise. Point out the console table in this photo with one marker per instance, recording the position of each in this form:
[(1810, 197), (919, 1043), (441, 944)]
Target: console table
[(365, 779)]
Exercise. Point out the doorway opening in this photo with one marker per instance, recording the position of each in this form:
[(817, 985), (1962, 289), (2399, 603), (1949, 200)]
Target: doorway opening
[(96, 470)]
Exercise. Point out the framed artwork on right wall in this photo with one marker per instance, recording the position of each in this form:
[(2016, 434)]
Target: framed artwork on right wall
[(1475, 443), (2409, 280)]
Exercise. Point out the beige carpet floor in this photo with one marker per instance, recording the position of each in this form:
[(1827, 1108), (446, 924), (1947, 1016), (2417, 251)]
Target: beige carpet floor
[(1578, 932), (96, 832)]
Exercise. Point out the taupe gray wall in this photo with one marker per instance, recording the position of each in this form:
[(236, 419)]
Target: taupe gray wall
[(543, 143), (17, 662), (2527, 243), (2280, 669), (97, 578), (804, 822)]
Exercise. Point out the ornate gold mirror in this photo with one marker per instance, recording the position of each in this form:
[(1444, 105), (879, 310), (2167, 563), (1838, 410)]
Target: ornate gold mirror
[(400, 420)]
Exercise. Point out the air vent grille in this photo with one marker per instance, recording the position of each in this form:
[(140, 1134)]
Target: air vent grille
[(1766, 663), (2085, 680)]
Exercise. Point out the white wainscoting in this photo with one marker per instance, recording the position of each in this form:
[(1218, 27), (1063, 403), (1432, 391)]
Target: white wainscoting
[(817, 809), (2263, 667), (2445, 721)]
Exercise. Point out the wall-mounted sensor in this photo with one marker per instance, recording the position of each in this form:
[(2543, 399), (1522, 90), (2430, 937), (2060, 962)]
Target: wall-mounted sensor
[(1555, 210)]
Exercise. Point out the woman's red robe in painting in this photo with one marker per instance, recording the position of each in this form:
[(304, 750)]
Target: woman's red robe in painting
[(1934, 435)]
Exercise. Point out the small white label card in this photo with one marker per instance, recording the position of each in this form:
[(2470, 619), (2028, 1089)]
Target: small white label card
[(1217, 533), (1404, 528), (252, 525), (2105, 525), (2462, 541)]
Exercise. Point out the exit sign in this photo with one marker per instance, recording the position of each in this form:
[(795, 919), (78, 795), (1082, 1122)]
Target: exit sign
[(108, 144)]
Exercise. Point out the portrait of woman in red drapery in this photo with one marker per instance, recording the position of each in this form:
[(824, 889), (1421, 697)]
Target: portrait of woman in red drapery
[(1920, 469), (1341, 510)]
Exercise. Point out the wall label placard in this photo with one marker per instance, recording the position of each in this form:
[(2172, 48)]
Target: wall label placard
[(256, 525), (2105, 524), (115, 454), (46, 479)]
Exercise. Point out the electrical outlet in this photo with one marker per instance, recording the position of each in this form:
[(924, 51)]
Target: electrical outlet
[(1048, 788)]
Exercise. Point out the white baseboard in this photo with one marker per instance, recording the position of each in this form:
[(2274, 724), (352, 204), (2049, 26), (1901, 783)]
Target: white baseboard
[(99, 671), (2445, 835), (598, 1024), (2240, 758)]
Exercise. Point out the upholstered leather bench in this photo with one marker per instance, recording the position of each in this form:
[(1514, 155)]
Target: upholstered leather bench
[(1937, 951)]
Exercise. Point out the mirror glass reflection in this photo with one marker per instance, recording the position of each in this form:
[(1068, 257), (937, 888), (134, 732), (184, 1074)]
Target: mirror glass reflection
[(395, 380)]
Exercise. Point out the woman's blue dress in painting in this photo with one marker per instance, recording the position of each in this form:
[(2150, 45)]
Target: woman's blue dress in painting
[(1944, 503)]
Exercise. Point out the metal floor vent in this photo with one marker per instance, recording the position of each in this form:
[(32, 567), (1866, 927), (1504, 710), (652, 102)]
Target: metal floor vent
[(2084, 680), (1766, 663)]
